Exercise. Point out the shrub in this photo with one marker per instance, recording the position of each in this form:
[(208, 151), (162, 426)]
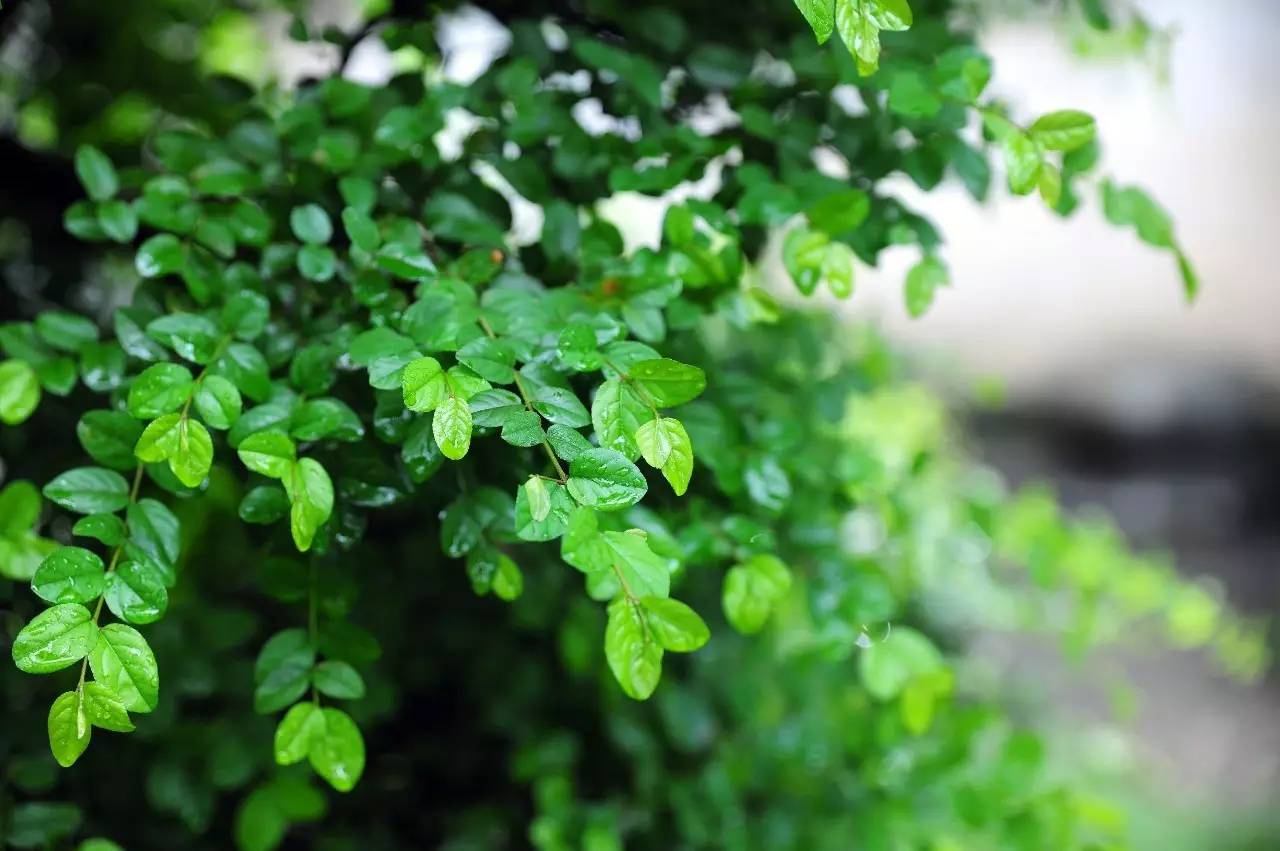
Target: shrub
[(556, 540)]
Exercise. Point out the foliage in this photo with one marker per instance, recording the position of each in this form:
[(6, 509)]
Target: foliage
[(343, 396)]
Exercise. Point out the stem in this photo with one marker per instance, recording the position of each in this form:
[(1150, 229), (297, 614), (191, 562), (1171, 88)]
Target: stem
[(528, 404)]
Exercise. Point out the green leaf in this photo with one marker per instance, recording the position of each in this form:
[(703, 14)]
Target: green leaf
[(69, 575), (492, 408), (218, 402), (561, 406), (155, 530), (634, 656), (109, 437), (193, 454), (535, 493), (837, 269), (859, 32), (245, 315), (19, 508), (1064, 130), (523, 428), (887, 667), (310, 224), (159, 440), (668, 382), (282, 671), (69, 728), (423, 384), (1050, 184), (311, 497), (923, 280), (452, 428), (674, 625), (1022, 160), (162, 254), (821, 15), (317, 419), (19, 392), (106, 528), (160, 389), (136, 593), (337, 754), (264, 504), (891, 15), (55, 638), (752, 589), (67, 332), (89, 490), (270, 453), (104, 708), (567, 442), (803, 253), (122, 660), (119, 220), (553, 524), (508, 581), (317, 262), (338, 680), (194, 337), (490, 359), (406, 261), (297, 731), (840, 212), (605, 480), (664, 443), (1131, 206), (96, 173), (616, 412), (361, 229), (643, 573)]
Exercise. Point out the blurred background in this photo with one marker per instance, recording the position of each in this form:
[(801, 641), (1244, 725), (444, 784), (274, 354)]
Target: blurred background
[(1069, 343), (1109, 384)]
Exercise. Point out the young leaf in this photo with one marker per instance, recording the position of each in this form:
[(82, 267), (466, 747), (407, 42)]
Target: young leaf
[(1064, 130), (193, 456), (337, 753), (104, 708), (19, 392), (674, 625), (311, 496), (629, 646), (424, 385), (69, 728), (752, 589), (297, 731), (452, 428)]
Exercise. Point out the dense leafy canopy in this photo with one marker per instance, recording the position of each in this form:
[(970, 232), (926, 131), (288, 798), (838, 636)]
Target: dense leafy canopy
[(335, 322)]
